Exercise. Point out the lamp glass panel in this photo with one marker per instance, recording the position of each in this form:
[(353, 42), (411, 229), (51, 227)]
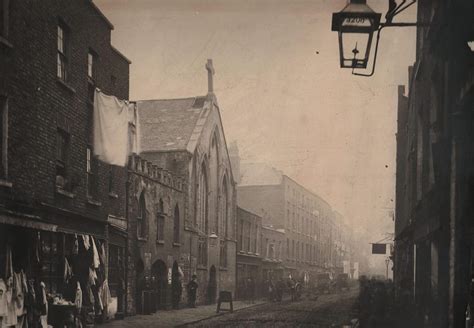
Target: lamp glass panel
[(354, 46)]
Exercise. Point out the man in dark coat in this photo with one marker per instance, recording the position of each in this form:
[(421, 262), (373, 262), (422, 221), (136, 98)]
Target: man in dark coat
[(192, 290)]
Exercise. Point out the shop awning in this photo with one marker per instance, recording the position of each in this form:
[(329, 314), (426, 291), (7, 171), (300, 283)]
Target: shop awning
[(31, 222)]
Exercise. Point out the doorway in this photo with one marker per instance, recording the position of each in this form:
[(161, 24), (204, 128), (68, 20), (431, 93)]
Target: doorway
[(140, 285), (212, 286), (159, 283)]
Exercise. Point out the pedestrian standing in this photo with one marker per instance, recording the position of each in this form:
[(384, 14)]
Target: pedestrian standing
[(192, 290)]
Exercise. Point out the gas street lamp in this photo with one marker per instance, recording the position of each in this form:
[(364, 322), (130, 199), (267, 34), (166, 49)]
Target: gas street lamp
[(356, 24)]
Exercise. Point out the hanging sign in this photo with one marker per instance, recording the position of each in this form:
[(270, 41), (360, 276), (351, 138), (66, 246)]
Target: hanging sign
[(379, 249)]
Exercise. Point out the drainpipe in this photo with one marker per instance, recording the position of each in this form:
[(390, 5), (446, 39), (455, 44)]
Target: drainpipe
[(127, 187)]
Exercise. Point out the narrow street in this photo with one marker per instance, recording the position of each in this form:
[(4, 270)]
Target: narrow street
[(333, 310)]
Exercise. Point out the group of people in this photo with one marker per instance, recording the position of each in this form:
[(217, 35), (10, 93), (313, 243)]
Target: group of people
[(278, 287)]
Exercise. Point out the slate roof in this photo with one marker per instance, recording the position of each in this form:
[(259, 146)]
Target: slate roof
[(168, 124), (258, 174)]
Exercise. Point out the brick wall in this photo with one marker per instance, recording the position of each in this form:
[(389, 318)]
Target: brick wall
[(39, 102)]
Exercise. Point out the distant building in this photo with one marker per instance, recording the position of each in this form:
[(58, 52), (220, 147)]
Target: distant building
[(273, 253), (186, 138), (249, 255), (313, 238)]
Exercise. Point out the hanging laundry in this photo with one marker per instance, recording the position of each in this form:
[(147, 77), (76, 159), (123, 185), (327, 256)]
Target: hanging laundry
[(44, 306), (86, 241), (38, 247), (8, 263), (95, 259), (3, 298), (75, 247), (67, 271), (92, 277), (78, 298), (30, 304), (133, 119), (19, 293), (105, 294), (111, 119), (10, 319), (102, 256)]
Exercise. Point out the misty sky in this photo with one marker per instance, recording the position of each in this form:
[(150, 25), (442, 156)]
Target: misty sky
[(281, 92)]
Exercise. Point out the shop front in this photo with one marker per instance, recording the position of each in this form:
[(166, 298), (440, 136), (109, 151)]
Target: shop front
[(55, 277)]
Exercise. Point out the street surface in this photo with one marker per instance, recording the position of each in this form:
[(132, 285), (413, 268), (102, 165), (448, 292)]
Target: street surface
[(333, 310)]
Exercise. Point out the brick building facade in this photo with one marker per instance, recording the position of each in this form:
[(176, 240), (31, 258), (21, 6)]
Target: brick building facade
[(52, 56), (249, 253), (313, 236), (433, 223)]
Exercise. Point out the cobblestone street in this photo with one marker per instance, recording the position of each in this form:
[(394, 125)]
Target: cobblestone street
[(333, 310)]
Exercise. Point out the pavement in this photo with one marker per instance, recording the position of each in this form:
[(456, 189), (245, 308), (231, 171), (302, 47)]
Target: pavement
[(176, 318)]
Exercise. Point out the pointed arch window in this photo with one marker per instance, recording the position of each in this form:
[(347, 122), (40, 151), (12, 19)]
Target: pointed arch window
[(176, 225), (141, 217), (202, 209), (224, 210), (160, 222)]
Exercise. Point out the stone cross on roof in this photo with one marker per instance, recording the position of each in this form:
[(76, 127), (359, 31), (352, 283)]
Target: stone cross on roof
[(210, 74)]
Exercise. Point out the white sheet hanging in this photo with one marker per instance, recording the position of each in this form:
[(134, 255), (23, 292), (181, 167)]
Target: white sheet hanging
[(111, 118)]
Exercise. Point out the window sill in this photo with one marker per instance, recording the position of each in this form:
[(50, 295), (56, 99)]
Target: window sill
[(201, 267), (66, 85), (141, 239), (160, 242), (64, 193), (91, 201), (5, 183), (113, 195), (5, 42), (222, 269), (176, 244)]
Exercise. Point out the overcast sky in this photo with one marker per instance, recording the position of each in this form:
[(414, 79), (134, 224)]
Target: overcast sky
[(282, 94)]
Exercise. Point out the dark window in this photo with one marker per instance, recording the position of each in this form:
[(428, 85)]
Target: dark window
[(116, 277), (141, 217), (3, 138), (90, 92), (223, 254), (111, 181), (287, 248), (91, 62), (51, 274), (4, 17), (62, 150), (240, 232), (202, 251), (113, 80), (176, 226), (62, 52), (92, 174), (160, 222)]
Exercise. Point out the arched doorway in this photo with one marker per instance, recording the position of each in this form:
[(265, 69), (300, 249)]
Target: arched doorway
[(140, 285), (176, 285), (212, 286), (159, 283)]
